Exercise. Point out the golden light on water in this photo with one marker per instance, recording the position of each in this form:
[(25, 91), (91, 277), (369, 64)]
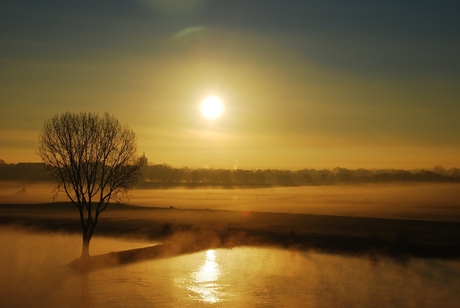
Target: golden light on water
[(204, 282), (210, 270)]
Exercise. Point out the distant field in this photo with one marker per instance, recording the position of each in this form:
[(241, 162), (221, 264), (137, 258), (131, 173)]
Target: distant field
[(438, 202)]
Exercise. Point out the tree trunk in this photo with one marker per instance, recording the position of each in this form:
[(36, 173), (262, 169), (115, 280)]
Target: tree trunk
[(85, 246)]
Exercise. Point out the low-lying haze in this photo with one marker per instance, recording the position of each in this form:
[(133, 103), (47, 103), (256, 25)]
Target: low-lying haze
[(405, 201)]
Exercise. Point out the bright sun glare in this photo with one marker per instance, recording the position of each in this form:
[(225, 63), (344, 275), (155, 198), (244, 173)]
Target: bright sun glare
[(212, 107)]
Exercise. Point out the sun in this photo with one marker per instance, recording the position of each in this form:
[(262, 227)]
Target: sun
[(212, 107)]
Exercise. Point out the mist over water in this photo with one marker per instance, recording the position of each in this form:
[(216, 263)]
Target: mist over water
[(33, 273)]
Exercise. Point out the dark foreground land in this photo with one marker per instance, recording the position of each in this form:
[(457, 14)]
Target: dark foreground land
[(186, 231)]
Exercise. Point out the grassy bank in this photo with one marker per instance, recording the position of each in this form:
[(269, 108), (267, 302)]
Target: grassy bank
[(373, 237)]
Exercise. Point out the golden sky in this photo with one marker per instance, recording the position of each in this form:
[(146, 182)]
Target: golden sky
[(305, 84)]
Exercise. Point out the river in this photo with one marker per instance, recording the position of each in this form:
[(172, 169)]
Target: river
[(33, 273)]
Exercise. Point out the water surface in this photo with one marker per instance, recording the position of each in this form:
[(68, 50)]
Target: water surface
[(33, 273)]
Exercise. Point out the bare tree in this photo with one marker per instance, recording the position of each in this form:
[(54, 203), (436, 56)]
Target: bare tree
[(93, 159)]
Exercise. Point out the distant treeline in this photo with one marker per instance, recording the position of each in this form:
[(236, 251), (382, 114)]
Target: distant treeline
[(163, 174), (23, 172)]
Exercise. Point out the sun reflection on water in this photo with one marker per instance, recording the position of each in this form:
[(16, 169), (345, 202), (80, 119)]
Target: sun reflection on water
[(204, 282), (210, 270)]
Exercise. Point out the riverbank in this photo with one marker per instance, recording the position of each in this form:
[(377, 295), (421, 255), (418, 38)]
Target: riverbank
[(374, 237)]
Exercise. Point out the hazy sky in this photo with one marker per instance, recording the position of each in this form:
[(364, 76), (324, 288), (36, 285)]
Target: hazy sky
[(306, 84)]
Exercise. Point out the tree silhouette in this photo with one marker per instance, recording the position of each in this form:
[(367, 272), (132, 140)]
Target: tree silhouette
[(93, 159)]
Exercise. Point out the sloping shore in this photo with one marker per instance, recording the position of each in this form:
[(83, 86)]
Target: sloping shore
[(134, 255)]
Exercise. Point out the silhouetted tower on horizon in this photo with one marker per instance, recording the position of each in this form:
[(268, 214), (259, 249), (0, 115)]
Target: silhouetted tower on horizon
[(144, 167), (145, 160)]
